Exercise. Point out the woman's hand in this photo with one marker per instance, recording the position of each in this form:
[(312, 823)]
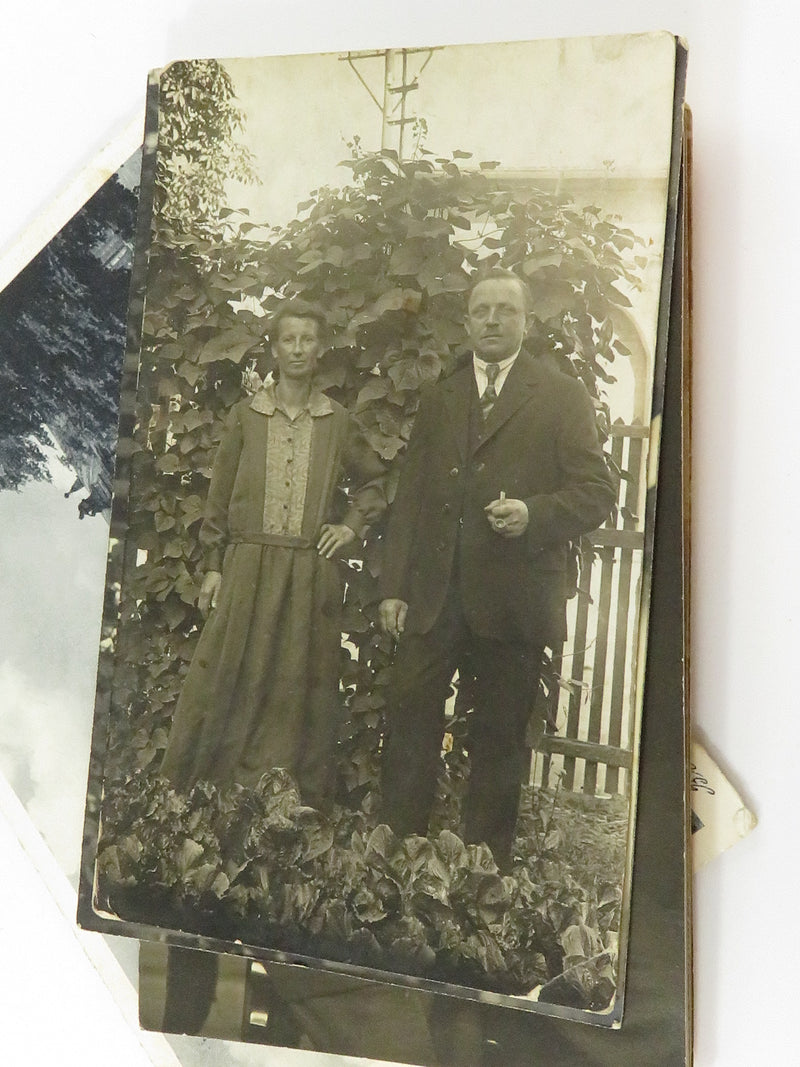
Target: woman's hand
[(332, 539), (208, 592)]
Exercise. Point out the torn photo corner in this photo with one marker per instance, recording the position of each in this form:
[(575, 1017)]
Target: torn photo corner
[(238, 793)]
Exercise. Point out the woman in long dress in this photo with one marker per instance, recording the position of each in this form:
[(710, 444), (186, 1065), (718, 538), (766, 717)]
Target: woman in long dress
[(262, 689)]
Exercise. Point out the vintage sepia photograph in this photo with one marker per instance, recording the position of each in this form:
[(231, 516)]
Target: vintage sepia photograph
[(373, 655)]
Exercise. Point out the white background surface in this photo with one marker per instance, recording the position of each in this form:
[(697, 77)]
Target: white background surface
[(71, 77)]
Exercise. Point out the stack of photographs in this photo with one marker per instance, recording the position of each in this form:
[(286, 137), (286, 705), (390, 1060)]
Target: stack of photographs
[(389, 752)]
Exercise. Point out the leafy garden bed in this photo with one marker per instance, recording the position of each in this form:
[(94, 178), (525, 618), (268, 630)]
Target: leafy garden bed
[(258, 866)]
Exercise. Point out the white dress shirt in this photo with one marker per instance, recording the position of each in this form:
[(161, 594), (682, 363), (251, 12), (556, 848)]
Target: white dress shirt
[(481, 380)]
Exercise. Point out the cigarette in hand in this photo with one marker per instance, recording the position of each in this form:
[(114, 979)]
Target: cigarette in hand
[(500, 523)]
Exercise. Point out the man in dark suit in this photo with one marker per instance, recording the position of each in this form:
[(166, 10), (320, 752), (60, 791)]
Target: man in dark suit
[(503, 469)]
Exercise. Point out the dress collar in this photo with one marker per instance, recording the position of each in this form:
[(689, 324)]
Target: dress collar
[(266, 402)]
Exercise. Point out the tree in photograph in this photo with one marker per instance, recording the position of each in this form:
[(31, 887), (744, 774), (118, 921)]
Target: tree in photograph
[(62, 337), (198, 147)]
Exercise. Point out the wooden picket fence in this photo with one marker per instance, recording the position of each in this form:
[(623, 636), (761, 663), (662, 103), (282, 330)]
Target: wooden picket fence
[(588, 719)]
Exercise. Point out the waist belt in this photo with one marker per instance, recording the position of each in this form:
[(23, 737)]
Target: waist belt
[(280, 540)]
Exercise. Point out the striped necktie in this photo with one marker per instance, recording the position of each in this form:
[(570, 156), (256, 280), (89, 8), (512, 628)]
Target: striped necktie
[(489, 398)]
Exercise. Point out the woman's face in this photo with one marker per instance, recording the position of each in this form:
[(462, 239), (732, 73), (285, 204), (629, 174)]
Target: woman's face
[(297, 347)]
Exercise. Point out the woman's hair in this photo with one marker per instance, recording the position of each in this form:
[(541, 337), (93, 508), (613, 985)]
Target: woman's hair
[(298, 309)]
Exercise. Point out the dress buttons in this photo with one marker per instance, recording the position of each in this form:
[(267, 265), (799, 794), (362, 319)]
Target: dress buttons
[(454, 472), (445, 507)]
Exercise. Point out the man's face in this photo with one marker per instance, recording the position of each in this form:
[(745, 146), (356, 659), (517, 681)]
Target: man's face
[(496, 319), (297, 347)]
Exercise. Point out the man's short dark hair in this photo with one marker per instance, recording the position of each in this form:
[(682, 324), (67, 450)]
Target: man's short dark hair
[(501, 274), (298, 309)]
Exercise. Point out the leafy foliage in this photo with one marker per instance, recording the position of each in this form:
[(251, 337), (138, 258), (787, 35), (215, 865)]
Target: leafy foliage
[(62, 334), (388, 257), (198, 150), (256, 864)]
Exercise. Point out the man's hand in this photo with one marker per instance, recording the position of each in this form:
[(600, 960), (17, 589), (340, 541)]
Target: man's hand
[(332, 539), (208, 592), (508, 518), (392, 615)]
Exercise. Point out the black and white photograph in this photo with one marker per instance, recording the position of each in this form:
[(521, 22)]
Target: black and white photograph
[(374, 644)]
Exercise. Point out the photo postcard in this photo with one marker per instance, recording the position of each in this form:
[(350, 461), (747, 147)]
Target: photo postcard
[(372, 666)]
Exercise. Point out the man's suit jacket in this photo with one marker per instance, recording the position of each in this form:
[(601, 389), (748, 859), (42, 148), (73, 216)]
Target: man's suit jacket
[(539, 444)]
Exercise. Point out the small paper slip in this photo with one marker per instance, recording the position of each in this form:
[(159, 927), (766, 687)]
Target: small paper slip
[(719, 815)]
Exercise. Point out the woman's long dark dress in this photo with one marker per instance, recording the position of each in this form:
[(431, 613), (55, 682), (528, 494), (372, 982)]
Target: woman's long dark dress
[(262, 688)]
